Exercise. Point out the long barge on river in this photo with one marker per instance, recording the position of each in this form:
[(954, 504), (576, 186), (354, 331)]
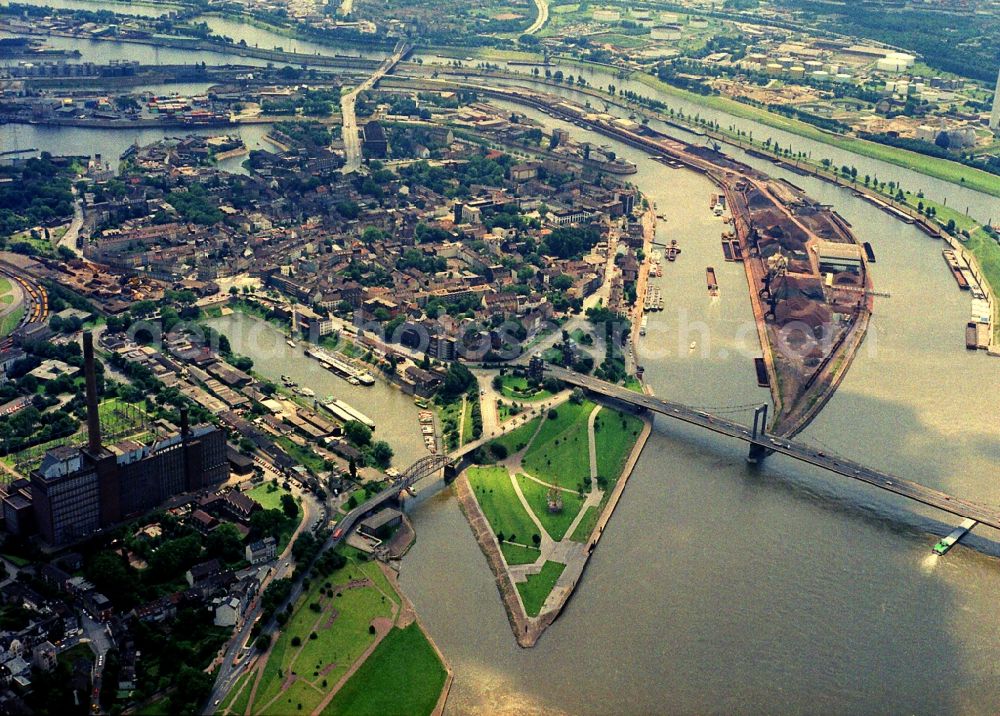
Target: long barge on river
[(355, 376), (345, 412)]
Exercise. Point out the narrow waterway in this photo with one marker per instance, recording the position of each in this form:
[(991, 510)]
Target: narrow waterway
[(982, 206), (718, 588), (141, 9), (394, 413)]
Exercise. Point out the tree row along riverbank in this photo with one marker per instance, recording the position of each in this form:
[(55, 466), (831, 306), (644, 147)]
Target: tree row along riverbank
[(943, 169)]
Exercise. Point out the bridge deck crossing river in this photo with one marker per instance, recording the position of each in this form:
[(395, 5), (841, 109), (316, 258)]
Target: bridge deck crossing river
[(786, 446)]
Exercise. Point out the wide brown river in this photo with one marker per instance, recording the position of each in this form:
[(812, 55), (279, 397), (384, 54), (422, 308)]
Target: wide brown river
[(718, 588)]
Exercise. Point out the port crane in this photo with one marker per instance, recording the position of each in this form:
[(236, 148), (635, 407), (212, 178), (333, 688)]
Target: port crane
[(777, 269)]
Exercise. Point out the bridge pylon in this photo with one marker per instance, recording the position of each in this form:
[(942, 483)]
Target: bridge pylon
[(758, 452)]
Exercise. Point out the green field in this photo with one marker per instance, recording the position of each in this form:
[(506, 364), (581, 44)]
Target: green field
[(342, 636), (537, 587), (236, 700), (559, 454), (987, 252), (518, 438), (270, 499), (517, 388), (517, 554), (405, 657), (467, 421), (75, 653), (615, 434), (586, 525), (555, 524), (268, 495), (503, 510), (9, 322)]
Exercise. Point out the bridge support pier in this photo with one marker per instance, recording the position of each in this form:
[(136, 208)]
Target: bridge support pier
[(758, 452)]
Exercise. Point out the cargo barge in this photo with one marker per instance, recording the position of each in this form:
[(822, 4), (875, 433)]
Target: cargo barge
[(344, 412), (713, 285), (869, 252), (971, 336), (352, 375), (955, 264), (942, 547), (762, 378)]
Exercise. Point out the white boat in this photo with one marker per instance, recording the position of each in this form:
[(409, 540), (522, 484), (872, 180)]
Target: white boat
[(290, 342)]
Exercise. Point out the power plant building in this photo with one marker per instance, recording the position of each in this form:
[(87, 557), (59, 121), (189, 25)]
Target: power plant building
[(77, 491)]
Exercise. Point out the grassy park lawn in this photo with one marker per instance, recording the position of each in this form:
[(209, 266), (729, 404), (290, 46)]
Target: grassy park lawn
[(9, 322), (270, 499), (518, 438), (537, 587), (237, 698), (450, 417), (405, 657), (496, 497), (519, 554), (517, 388), (341, 628), (537, 494), (467, 421), (268, 495), (560, 454), (74, 654), (586, 525), (615, 434)]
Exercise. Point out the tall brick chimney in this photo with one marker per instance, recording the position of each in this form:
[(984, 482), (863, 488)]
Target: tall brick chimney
[(93, 416)]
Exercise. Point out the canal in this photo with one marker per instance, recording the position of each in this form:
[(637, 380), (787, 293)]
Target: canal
[(982, 206), (977, 204)]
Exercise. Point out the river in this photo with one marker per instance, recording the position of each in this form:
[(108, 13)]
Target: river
[(958, 197), (718, 588), (110, 143)]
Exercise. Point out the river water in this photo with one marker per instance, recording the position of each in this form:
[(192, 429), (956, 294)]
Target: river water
[(718, 588), (394, 413)]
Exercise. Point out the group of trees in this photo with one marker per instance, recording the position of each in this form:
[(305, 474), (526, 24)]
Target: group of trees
[(39, 192), (195, 205), (570, 241), (376, 452)]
